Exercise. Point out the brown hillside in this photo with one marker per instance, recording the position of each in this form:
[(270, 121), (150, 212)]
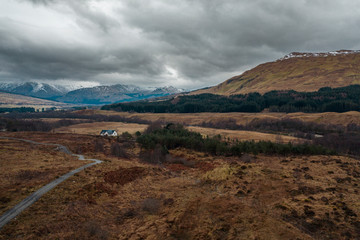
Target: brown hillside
[(296, 71), (9, 100)]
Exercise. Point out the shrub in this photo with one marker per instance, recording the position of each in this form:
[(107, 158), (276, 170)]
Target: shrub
[(170, 159), (94, 230), (153, 126), (126, 135), (154, 156), (126, 214), (117, 151), (26, 175), (99, 145), (151, 205)]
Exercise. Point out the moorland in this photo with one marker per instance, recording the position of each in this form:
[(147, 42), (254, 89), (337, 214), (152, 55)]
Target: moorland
[(166, 181)]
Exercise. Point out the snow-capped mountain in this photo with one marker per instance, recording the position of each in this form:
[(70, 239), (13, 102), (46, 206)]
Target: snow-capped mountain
[(88, 95), (114, 93), (34, 89), (167, 90)]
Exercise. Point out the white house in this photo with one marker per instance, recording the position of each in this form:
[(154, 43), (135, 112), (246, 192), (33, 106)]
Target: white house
[(112, 133)]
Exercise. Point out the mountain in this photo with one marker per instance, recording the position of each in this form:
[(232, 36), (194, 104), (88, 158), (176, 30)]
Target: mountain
[(114, 94), (34, 89), (88, 95), (167, 90), (297, 71)]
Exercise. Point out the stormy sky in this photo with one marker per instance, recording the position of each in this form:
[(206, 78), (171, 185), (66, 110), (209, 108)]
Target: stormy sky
[(185, 43)]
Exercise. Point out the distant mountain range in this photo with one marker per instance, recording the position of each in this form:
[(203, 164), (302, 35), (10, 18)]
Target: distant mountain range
[(34, 89), (304, 72), (93, 95)]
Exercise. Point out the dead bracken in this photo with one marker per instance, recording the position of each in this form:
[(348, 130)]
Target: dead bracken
[(122, 176)]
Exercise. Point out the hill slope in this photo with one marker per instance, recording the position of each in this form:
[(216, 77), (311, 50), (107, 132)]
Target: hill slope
[(8, 100), (297, 71)]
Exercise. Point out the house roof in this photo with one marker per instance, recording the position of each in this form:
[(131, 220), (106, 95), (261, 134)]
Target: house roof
[(108, 131)]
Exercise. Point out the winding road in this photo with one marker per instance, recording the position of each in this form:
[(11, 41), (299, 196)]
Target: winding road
[(12, 213)]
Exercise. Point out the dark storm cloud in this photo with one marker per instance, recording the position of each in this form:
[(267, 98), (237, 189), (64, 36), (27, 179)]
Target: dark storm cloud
[(203, 41)]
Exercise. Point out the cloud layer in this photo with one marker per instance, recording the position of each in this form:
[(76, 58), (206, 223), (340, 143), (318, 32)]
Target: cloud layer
[(188, 44)]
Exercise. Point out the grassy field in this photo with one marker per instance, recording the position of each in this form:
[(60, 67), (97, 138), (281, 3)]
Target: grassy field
[(246, 135), (96, 127), (26, 167), (241, 118), (196, 196)]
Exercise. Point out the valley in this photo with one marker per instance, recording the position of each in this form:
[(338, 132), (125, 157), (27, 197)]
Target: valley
[(278, 164), (193, 196), (187, 120)]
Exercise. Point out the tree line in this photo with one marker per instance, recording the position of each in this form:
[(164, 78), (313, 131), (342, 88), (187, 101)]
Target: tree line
[(174, 136), (343, 139), (17, 125), (19, 109), (285, 125), (68, 114), (324, 100)]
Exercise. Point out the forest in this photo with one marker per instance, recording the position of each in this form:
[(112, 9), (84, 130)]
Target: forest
[(324, 100)]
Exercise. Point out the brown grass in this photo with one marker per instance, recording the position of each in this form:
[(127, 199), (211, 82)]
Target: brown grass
[(263, 197), (245, 135), (8, 100), (96, 127), (241, 118)]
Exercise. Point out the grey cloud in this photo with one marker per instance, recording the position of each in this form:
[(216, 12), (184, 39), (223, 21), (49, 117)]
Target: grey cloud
[(226, 35), (204, 41), (27, 59), (43, 2), (88, 17)]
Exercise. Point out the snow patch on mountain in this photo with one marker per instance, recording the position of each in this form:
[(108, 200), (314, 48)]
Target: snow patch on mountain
[(327, 54), (8, 86), (37, 87), (167, 89), (71, 85)]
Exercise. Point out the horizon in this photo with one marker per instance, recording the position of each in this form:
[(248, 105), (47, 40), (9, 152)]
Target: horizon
[(75, 85)]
